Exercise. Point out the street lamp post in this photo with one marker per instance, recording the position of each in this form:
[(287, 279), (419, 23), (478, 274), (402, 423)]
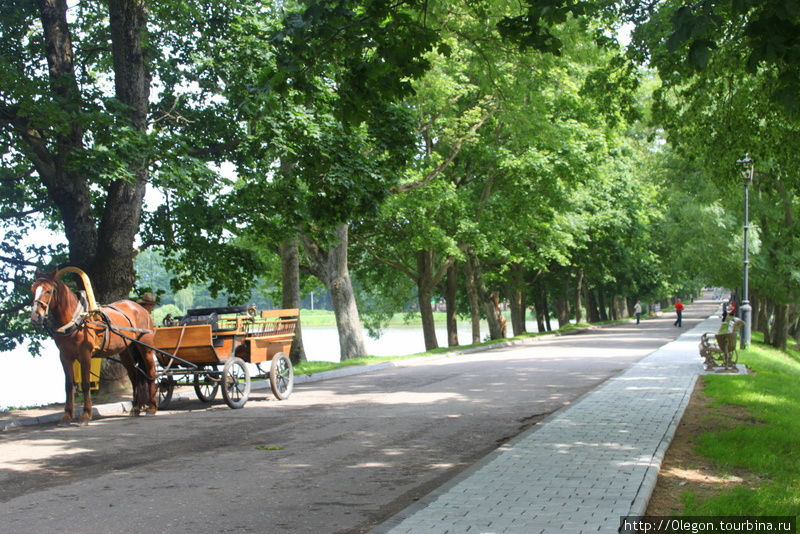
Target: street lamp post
[(748, 168)]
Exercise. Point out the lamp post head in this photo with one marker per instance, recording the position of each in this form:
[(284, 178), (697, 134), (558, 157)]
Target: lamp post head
[(747, 166)]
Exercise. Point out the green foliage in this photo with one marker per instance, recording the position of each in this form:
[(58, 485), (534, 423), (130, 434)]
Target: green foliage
[(378, 47), (162, 311), (715, 114), (518, 134)]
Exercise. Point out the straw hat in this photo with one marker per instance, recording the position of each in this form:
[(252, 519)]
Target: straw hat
[(147, 298)]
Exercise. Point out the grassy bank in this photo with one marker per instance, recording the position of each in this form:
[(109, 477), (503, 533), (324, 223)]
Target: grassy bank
[(319, 367), (327, 318), (767, 443)]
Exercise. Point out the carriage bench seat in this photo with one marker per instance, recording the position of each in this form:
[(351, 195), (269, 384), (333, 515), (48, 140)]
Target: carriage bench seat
[(222, 310), (210, 316), (211, 319), (721, 351)]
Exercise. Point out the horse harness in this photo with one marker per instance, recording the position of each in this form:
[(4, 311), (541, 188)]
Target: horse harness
[(104, 323), (99, 320)]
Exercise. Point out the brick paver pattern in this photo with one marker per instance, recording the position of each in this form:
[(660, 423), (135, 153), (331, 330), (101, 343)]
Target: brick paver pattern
[(582, 469)]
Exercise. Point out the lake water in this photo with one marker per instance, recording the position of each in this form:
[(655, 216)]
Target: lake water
[(32, 381)]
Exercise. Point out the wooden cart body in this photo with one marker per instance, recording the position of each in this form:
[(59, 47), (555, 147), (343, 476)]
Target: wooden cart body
[(206, 339), (212, 339)]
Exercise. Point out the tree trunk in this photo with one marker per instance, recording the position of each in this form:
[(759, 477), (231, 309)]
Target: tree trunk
[(451, 290), (758, 312), (794, 323), (474, 301), (425, 286), (601, 305), (330, 266), (539, 307), (290, 293), (592, 314), (495, 319), (113, 264), (112, 270), (561, 306), (578, 291), (620, 307), (767, 316), (516, 299), (490, 301), (780, 330), (64, 184), (105, 249)]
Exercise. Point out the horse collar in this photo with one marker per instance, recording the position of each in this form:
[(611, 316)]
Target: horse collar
[(77, 321)]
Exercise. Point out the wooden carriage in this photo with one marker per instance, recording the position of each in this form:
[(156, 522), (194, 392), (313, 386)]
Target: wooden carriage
[(212, 347)]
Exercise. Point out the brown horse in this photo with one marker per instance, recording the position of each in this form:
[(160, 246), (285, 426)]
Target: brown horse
[(100, 334)]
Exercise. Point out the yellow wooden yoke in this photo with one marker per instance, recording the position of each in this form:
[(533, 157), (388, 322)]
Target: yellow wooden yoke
[(96, 362), (87, 284)]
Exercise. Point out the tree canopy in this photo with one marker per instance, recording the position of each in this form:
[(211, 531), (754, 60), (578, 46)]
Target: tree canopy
[(400, 153)]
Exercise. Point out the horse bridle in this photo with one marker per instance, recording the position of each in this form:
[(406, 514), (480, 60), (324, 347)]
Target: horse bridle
[(51, 300)]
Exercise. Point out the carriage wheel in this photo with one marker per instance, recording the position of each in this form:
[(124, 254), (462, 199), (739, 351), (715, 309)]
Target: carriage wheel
[(235, 382), (165, 387), (206, 386), (281, 376)]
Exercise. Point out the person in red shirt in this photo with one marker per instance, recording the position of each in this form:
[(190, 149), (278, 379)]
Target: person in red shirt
[(679, 311)]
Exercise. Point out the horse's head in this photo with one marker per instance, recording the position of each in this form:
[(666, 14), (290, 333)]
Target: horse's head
[(45, 297)]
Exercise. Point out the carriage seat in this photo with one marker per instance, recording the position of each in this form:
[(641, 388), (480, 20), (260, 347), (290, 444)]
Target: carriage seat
[(221, 310), (191, 320), (210, 316)]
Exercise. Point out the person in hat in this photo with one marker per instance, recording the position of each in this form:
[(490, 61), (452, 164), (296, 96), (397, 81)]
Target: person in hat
[(148, 302)]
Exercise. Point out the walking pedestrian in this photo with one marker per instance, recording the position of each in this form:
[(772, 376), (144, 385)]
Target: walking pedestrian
[(732, 308), (679, 311), (637, 309)]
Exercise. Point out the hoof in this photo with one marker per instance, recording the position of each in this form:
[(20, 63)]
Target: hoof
[(135, 412), (151, 410), (85, 417), (66, 419)]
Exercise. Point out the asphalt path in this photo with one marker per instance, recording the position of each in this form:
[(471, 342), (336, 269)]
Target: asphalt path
[(339, 456)]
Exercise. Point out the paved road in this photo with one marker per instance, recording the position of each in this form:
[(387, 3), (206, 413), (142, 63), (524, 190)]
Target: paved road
[(351, 452)]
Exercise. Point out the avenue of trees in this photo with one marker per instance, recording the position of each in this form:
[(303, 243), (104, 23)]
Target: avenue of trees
[(476, 151)]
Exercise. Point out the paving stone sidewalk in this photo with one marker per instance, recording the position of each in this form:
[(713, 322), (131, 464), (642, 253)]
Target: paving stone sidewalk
[(581, 469)]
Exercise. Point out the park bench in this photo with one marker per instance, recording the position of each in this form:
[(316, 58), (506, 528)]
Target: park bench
[(721, 351)]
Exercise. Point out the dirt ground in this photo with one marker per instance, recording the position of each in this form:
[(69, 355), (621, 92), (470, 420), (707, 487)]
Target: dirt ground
[(685, 471)]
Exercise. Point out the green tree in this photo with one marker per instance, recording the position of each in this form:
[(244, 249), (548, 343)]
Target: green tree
[(715, 112)]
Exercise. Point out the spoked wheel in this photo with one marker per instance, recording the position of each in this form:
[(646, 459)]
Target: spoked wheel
[(235, 382), (165, 387), (206, 386), (281, 376)]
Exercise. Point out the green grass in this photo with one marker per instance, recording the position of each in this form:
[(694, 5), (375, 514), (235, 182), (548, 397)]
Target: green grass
[(768, 445), (307, 368)]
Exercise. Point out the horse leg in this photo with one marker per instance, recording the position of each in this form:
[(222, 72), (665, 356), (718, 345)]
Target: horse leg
[(86, 370), (149, 364), (69, 386), (133, 374)]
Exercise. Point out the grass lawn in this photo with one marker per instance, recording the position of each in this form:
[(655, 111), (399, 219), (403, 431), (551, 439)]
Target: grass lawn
[(327, 318), (767, 443), (319, 367)]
